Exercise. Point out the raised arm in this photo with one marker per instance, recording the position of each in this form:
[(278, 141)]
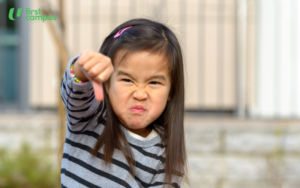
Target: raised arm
[(79, 98)]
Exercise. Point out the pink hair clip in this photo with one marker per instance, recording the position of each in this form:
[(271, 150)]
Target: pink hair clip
[(121, 31)]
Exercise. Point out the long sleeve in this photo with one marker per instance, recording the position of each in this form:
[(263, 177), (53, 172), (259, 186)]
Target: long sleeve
[(158, 179), (79, 100)]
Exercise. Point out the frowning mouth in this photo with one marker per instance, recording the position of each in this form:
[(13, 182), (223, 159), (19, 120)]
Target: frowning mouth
[(138, 109)]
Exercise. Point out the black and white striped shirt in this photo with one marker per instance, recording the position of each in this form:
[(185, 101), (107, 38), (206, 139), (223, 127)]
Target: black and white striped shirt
[(80, 169)]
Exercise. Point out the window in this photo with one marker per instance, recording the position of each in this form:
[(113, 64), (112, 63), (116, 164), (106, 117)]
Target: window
[(8, 55)]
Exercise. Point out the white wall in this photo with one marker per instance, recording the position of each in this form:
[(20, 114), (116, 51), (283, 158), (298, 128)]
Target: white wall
[(278, 84)]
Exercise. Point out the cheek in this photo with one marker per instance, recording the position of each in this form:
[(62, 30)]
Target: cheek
[(164, 93), (160, 99), (118, 95), (120, 91)]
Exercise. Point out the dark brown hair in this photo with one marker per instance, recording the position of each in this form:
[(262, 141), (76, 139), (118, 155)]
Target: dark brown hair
[(157, 38)]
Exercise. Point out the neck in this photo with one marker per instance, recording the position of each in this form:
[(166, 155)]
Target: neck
[(142, 132)]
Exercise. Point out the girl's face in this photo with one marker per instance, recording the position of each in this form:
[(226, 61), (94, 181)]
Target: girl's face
[(139, 89)]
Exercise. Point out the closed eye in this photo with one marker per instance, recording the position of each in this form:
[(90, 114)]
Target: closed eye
[(154, 83), (127, 80)]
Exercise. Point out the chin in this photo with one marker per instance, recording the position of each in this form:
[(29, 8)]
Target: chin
[(136, 125)]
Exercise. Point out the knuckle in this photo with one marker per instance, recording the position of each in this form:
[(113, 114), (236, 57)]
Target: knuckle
[(88, 53), (99, 56), (92, 73), (107, 59), (78, 61), (112, 69), (104, 58), (100, 79), (85, 67), (84, 53), (83, 57)]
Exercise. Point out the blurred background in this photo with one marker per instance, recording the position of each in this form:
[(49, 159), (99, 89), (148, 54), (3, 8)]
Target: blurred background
[(242, 66)]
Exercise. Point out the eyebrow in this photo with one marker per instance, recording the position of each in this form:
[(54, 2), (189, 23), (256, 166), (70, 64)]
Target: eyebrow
[(160, 77)]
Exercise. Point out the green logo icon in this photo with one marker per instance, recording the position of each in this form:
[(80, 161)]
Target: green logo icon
[(31, 14), (11, 13)]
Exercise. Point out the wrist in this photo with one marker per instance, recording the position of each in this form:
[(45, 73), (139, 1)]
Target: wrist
[(77, 73)]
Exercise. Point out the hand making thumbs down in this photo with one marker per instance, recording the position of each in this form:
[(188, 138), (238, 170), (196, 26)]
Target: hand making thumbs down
[(96, 68)]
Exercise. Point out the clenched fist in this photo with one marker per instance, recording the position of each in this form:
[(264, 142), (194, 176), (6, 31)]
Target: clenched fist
[(96, 68)]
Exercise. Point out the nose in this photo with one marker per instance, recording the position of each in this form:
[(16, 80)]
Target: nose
[(140, 95)]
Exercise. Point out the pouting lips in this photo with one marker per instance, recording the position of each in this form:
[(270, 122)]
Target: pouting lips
[(138, 109)]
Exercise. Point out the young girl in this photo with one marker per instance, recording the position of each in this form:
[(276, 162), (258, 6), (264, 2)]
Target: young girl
[(128, 131)]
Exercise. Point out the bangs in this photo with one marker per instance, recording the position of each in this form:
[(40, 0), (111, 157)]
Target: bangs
[(137, 39)]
